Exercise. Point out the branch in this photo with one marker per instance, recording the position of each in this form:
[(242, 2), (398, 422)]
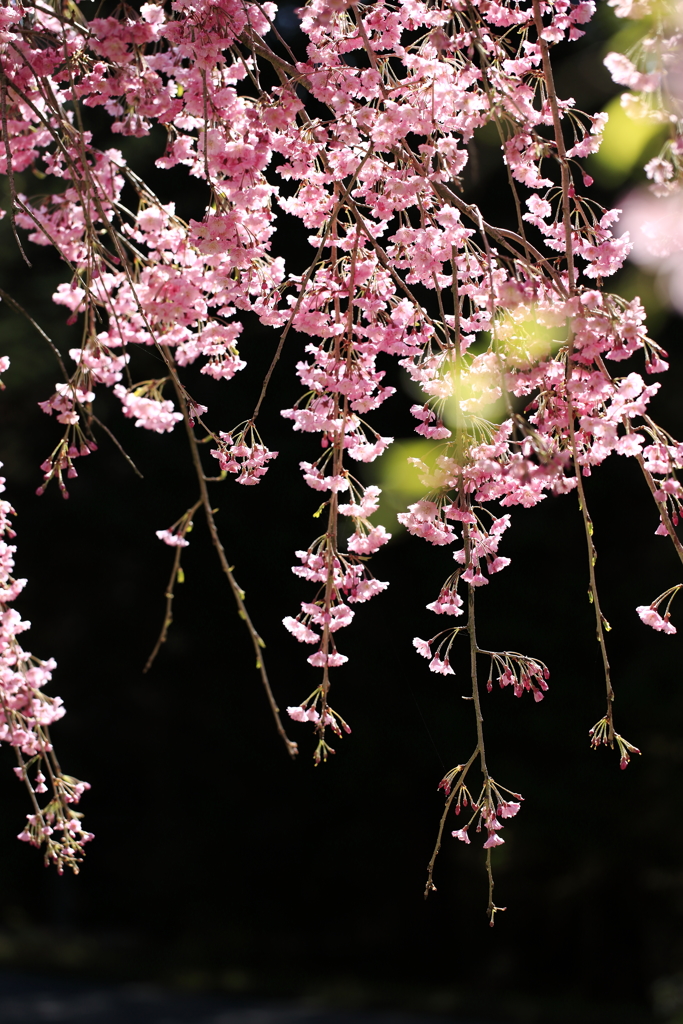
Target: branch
[(238, 593), (168, 617)]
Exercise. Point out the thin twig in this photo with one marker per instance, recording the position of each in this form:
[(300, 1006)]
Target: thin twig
[(13, 304), (10, 169), (559, 142), (592, 557), (479, 718), (238, 593), (114, 439), (168, 616), (430, 887), (345, 190)]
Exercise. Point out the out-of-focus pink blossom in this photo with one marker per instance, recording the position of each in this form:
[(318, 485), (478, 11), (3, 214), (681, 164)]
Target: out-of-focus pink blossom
[(172, 539)]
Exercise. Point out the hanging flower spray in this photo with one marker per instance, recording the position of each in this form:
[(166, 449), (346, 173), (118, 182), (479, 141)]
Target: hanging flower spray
[(363, 137)]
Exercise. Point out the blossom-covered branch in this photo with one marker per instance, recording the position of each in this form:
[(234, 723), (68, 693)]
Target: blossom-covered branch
[(362, 136)]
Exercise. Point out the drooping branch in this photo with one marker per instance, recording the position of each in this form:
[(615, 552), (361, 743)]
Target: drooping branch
[(237, 592)]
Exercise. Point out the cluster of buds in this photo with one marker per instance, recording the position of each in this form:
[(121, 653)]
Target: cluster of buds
[(483, 550), (449, 601), (99, 364), (57, 826), (602, 734), (351, 576), (329, 617), (518, 671), (241, 451), (427, 519), (489, 806), (61, 462), (315, 709), (176, 535), (662, 459)]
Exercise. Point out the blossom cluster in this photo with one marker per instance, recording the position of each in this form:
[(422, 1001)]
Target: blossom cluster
[(487, 809), (511, 344), (650, 72), (26, 714), (242, 452)]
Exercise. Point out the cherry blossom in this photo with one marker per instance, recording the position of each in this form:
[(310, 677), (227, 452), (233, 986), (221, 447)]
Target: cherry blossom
[(26, 712), (651, 617), (524, 367), (172, 539), (149, 413)]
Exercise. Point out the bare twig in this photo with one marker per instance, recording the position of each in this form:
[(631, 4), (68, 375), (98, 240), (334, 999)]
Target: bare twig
[(114, 439), (13, 304), (238, 593), (430, 887), (170, 589)]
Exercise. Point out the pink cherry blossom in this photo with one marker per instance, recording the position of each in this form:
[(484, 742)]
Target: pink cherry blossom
[(148, 412), (172, 539), (441, 667), (493, 840), (26, 712), (300, 631), (524, 370), (624, 72), (448, 602), (651, 617), (422, 647), (367, 544)]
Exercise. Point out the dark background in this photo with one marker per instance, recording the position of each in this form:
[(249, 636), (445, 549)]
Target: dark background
[(219, 865)]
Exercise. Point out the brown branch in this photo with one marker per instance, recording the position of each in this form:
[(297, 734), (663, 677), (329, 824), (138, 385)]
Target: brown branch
[(498, 234), (479, 718), (345, 195), (116, 442), (430, 887), (592, 557), (20, 309), (170, 589), (10, 169), (559, 142), (238, 593), (661, 507)]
